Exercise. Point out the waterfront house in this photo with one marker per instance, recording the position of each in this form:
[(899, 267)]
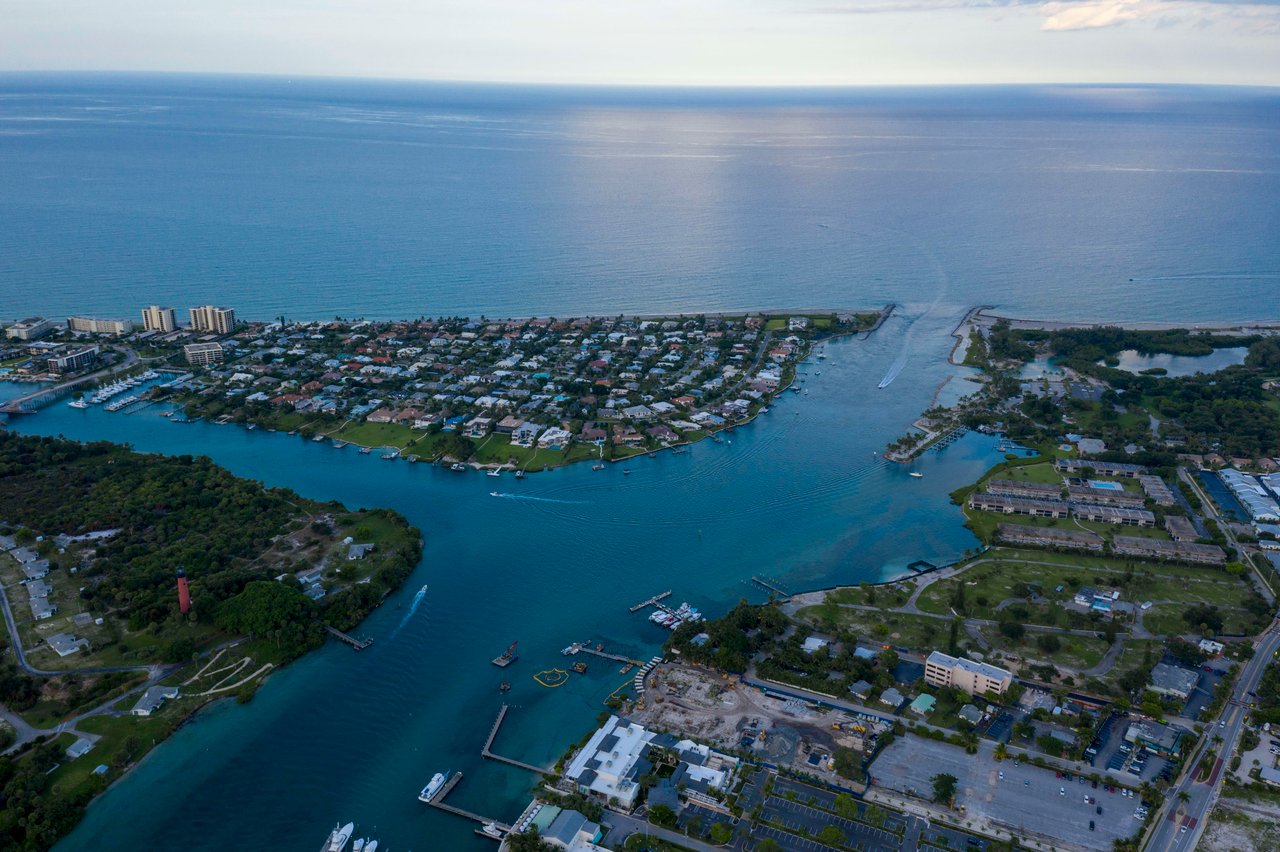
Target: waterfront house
[(358, 551), (151, 700)]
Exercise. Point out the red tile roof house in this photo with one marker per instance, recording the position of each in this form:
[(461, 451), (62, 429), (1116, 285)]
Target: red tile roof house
[(626, 435)]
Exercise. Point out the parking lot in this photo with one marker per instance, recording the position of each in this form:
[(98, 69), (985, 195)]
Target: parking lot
[(1026, 798), (807, 820), (789, 842)]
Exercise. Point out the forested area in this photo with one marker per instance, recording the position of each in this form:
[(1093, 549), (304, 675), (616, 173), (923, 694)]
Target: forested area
[(1227, 411)]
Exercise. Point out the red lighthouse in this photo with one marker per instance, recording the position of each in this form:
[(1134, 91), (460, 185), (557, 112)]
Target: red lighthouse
[(184, 596)]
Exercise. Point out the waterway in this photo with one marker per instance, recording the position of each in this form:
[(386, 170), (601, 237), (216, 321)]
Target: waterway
[(800, 496)]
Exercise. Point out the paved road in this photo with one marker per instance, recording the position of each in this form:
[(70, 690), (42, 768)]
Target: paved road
[(1182, 824)]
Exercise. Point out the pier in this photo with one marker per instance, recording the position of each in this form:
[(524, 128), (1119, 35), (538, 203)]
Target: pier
[(651, 601), (357, 644), (438, 802), (487, 750), (770, 587), (617, 658)]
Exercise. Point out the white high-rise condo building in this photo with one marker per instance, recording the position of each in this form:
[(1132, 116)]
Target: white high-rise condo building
[(213, 318), (157, 318)]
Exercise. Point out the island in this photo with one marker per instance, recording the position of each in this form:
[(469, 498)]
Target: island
[(137, 589), (519, 395)]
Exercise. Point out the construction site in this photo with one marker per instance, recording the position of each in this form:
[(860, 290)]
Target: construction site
[(728, 714)]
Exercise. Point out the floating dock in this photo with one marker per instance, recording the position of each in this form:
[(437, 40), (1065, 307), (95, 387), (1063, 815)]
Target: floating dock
[(638, 682), (357, 644), (488, 752), (651, 601)]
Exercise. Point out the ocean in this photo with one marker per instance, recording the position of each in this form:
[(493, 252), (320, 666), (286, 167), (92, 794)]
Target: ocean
[(312, 199)]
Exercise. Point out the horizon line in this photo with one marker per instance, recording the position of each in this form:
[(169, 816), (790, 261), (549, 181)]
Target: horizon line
[(631, 86)]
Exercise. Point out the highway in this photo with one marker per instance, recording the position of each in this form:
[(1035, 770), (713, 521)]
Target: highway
[(1182, 824)]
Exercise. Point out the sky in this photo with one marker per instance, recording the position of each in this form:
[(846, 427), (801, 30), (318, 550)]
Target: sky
[(669, 42)]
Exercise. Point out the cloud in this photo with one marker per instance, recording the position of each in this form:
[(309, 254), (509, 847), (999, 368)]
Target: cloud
[(1066, 15), (1257, 17), (1060, 16)]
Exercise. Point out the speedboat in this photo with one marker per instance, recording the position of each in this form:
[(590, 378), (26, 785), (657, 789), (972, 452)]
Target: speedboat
[(916, 474), (494, 494)]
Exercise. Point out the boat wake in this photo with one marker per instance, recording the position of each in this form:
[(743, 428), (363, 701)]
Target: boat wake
[(1225, 276), (944, 284), (535, 499), (413, 607)]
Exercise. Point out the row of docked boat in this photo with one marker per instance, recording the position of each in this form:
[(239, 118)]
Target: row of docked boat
[(113, 390), (673, 618), (123, 403), (341, 836)]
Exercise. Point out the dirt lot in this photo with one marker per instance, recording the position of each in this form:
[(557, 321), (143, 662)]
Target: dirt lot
[(724, 712), (1239, 825)]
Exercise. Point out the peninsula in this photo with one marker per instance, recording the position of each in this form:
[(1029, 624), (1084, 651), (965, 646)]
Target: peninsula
[(137, 589), (519, 395)]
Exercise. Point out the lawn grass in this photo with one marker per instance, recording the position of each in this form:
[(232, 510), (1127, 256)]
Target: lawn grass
[(377, 434), (902, 629), (988, 584), (1076, 652)]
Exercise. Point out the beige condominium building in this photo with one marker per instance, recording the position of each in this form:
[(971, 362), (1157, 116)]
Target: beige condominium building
[(97, 325), (213, 318), (974, 678), (158, 318)]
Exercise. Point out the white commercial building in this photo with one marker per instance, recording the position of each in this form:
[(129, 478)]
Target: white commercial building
[(609, 765)]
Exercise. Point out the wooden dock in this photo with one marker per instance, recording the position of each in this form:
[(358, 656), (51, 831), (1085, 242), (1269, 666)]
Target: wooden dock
[(488, 752), (617, 658), (770, 587), (438, 802), (357, 644), (651, 601)]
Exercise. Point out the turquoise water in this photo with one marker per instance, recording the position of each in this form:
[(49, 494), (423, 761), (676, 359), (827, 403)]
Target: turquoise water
[(1182, 365), (798, 496), (318, 198)]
